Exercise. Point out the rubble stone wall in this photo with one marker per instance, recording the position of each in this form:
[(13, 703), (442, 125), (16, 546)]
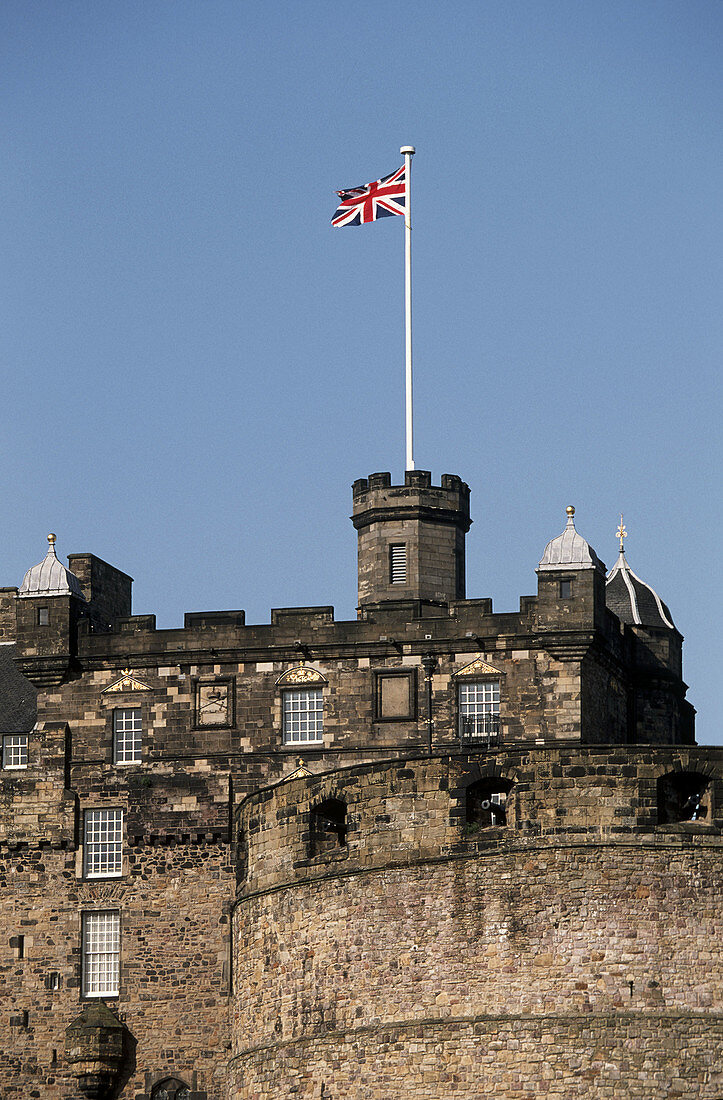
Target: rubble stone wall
[(581, 932)]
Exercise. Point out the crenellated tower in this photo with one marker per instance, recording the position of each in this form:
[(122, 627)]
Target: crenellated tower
[(411, 538)]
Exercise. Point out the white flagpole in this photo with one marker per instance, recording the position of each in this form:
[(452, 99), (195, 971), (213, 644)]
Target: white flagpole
[(408, 152)]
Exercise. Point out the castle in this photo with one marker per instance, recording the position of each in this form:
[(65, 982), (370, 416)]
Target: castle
[(434, 851)]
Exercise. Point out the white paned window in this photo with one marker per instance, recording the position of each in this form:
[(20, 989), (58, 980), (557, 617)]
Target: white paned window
[(15, 750), (101, 954), (398, 564), (103, 843), (303, 716), (127, 731), (479, 710)]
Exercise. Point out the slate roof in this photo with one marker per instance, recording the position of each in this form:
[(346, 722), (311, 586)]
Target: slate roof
[(18, 711), (634, 601)]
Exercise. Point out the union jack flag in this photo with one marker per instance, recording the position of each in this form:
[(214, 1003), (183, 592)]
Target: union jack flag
[(381, 199)]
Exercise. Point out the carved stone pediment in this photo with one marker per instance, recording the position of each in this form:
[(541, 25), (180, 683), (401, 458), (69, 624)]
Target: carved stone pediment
[(126, 682), (478, 667), (301, 674)]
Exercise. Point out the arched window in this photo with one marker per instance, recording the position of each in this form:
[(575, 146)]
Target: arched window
[(486, 803), (327, 827), (170, 1089), (683, 796)]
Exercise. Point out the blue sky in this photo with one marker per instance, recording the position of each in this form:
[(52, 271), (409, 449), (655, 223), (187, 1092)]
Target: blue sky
[(195, 366)]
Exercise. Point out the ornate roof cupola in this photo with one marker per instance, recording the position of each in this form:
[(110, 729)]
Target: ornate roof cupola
[(632, 600), (570, 582), (50, 577), (50, 602), (569, 550), (661, 711)]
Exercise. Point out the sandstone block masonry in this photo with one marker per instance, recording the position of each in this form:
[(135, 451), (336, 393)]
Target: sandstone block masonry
[(431, 851)]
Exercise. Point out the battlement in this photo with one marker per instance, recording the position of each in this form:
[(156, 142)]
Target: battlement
[(460, 805), (411, 537), (413, 479)]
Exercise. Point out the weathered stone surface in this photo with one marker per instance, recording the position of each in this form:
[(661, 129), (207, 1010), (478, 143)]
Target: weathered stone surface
[(397, 947)]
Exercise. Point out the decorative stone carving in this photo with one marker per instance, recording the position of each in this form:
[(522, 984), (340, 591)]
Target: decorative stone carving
[(127, 682), (478, 667), (300, 674)]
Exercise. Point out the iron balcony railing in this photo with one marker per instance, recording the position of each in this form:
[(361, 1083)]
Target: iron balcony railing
[(479, 728)]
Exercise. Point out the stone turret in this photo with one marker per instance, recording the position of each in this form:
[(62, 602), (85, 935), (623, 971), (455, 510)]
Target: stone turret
[(570, 582), (94, 1048), (50, 602), (411, 538)]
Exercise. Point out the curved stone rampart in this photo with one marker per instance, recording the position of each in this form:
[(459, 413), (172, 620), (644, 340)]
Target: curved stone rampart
[(574, 951)]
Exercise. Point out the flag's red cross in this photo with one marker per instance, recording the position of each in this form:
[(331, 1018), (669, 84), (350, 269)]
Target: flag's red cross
[(381, 199)]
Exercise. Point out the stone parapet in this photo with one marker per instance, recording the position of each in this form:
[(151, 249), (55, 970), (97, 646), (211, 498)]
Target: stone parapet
[(421, 937)]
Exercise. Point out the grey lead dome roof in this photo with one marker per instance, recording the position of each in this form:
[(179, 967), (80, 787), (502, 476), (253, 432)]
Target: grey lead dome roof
[(569, 550), (50, 578), (634, 601)]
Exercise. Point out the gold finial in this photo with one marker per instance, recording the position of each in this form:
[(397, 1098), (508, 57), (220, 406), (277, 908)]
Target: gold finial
[(51, 538), (570, 510), (622, 534)]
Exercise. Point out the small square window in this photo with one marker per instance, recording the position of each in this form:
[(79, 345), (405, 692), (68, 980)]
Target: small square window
[(43, 616), (303, 716), (127, 734), (101, 954), (15, 750), (398, 564), (565, 590), (103, 844)]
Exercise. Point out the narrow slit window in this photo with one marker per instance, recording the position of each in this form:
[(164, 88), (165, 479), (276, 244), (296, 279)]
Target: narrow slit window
[(398, 563), (43, 616)]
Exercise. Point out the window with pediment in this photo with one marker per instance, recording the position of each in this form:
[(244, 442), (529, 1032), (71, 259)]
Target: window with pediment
[(302, 705), (478, 702)]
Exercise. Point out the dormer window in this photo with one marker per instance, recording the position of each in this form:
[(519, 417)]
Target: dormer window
[(398, 563)]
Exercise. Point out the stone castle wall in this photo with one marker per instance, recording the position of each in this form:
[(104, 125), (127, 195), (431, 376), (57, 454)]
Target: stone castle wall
[(560, 947), (174, 983)]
